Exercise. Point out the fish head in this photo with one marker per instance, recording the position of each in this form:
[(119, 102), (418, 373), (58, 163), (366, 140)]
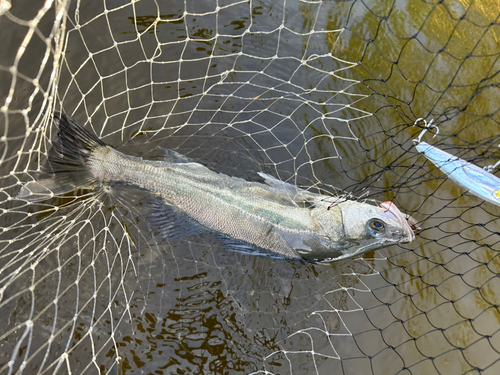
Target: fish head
[(368, 227)]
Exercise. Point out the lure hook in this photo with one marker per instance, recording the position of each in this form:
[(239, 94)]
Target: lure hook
[(429, 126)]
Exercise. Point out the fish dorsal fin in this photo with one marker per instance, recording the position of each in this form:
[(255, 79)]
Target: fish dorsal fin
[(296, 194), (174, 157)]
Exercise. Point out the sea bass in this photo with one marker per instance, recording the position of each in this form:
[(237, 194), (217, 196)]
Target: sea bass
[(276, 218)]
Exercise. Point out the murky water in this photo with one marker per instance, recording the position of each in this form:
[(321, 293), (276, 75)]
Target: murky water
[(255, 92)]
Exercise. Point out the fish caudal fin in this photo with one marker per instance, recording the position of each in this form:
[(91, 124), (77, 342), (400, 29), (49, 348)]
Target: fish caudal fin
[(66, 168), (73, 146)]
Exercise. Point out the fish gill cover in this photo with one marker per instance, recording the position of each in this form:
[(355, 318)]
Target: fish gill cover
[(320, 94)]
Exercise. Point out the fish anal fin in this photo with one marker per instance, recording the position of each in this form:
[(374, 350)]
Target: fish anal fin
[(163, 220), (169, 223)]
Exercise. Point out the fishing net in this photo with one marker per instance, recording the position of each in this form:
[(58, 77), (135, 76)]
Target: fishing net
[(321, 94)]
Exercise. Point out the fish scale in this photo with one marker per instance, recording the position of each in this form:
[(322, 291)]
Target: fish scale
[(276, 217), (240, 214)]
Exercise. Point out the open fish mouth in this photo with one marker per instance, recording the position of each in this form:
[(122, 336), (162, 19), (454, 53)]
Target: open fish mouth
[(407, 222)]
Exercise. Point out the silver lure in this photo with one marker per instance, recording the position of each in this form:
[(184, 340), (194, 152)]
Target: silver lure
[(477, 180)]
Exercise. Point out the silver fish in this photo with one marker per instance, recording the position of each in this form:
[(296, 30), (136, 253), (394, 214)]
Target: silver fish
[(278, 218)]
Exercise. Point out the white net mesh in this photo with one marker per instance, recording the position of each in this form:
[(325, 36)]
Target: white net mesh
[(316, 93)]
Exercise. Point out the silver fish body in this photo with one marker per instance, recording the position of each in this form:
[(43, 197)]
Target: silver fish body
[(471, 177), (277, 217)]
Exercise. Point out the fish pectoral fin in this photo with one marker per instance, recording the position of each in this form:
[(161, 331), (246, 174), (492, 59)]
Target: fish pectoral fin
[(231, 244), (235, 245)]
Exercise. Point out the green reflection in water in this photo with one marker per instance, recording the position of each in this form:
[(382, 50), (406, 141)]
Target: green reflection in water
[(434, 61), (436, 304)]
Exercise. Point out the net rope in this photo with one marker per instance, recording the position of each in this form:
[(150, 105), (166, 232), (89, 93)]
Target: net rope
[(321, 94)]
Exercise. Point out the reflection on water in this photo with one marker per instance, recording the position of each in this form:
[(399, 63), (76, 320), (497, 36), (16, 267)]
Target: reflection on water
[(243, 88)]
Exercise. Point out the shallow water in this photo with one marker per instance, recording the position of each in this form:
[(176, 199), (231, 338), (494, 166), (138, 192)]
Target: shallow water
[(104, 296)]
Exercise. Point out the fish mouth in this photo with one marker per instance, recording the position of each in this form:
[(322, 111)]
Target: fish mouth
[(408, 223)]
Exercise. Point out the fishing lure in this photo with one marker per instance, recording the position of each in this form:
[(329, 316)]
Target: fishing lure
[(478, 181)]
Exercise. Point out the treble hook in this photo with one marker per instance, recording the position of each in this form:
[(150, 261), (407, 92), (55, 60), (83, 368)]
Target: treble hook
[(491, 168), (429, 126)]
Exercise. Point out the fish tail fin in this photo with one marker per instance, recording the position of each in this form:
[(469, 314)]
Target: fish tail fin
[(73, 146), (66, 166)]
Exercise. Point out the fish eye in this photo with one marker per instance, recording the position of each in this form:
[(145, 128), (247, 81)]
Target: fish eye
[(375, 227)]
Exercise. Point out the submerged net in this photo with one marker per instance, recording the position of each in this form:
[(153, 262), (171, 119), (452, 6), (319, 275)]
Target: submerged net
[(321, 94)]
